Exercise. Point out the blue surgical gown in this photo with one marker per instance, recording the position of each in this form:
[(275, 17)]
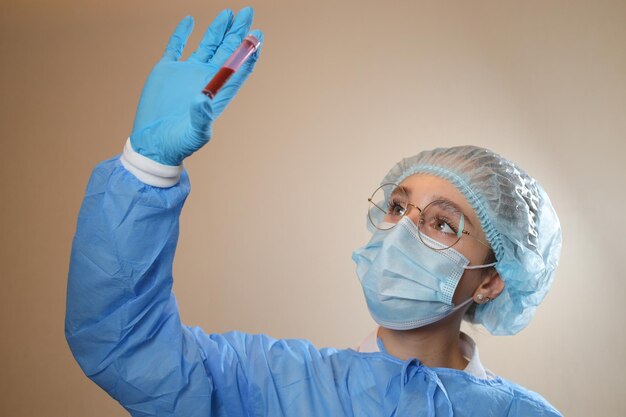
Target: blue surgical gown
[(123, 327)]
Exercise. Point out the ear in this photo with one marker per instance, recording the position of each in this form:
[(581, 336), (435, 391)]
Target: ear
[(490, 287)]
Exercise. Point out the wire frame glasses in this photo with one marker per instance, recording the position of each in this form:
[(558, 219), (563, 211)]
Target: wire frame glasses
[(441, 224)]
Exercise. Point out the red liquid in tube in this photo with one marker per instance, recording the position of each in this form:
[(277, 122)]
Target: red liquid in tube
[(249, 45), (218, 81)]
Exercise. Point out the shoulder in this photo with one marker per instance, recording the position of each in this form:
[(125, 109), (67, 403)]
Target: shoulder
[(261, 347), (498, 395), (529, 403)]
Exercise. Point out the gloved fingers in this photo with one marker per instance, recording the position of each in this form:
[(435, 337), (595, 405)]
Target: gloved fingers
[(229, 90), (176, 44), (213, 37), (237, 31), (201, 117)]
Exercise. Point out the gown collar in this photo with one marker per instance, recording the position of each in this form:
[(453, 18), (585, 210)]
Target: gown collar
[(372, 343)]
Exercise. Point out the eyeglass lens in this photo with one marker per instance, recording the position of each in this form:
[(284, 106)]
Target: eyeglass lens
[(440, 220)]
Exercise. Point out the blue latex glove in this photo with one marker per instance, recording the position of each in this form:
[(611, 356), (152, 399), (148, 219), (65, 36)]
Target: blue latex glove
[(173, 117)]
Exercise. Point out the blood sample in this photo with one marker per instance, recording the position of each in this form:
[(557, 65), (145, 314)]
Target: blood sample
[(249, 45)]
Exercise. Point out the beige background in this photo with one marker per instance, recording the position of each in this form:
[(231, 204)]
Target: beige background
[(342, 91)]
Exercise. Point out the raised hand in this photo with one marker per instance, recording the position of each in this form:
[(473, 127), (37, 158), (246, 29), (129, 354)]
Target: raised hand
[(173, 117)]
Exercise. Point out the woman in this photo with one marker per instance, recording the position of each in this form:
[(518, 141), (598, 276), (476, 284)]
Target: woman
[(457, 232)]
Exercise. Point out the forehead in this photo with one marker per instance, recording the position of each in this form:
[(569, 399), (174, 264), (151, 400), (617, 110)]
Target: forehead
[(425, 188)]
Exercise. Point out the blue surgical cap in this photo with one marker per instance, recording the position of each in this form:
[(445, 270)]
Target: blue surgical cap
[(517, 218)]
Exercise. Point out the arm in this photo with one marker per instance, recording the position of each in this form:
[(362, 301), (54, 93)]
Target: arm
[(122, 322), (124, 328)]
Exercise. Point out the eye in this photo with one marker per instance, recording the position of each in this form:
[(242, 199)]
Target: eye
[(395, 208), (443, 226)]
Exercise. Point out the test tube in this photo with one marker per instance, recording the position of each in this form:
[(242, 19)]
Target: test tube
[(249, 45)]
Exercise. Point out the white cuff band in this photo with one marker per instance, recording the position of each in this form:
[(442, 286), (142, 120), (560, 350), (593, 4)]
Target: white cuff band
[(148, 171)]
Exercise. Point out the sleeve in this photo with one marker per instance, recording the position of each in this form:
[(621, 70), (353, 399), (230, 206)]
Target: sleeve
[(122, 322)]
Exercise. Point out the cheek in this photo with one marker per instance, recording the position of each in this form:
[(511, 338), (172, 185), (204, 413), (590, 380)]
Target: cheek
[(470, 280), (473, 251)]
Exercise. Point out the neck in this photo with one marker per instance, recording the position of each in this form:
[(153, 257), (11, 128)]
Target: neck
[(436, 345)]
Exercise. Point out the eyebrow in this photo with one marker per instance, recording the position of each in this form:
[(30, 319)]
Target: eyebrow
[(443, 202), (396, 191)]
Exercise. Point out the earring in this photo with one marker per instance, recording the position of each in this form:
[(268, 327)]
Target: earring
[(480, 298)]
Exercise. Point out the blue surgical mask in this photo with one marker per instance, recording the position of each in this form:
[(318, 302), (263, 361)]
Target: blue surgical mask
[(407, 284)]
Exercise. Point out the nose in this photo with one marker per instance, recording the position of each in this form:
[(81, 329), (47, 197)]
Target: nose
[(414, 213)]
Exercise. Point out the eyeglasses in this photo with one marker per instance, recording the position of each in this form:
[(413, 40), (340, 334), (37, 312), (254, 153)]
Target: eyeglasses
[(441, 221)]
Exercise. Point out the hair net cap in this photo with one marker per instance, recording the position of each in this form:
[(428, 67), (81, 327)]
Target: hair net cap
[(517, 218)]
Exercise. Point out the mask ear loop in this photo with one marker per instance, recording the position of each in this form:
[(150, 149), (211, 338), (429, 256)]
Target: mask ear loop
[(481, 266), (459, 306)]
